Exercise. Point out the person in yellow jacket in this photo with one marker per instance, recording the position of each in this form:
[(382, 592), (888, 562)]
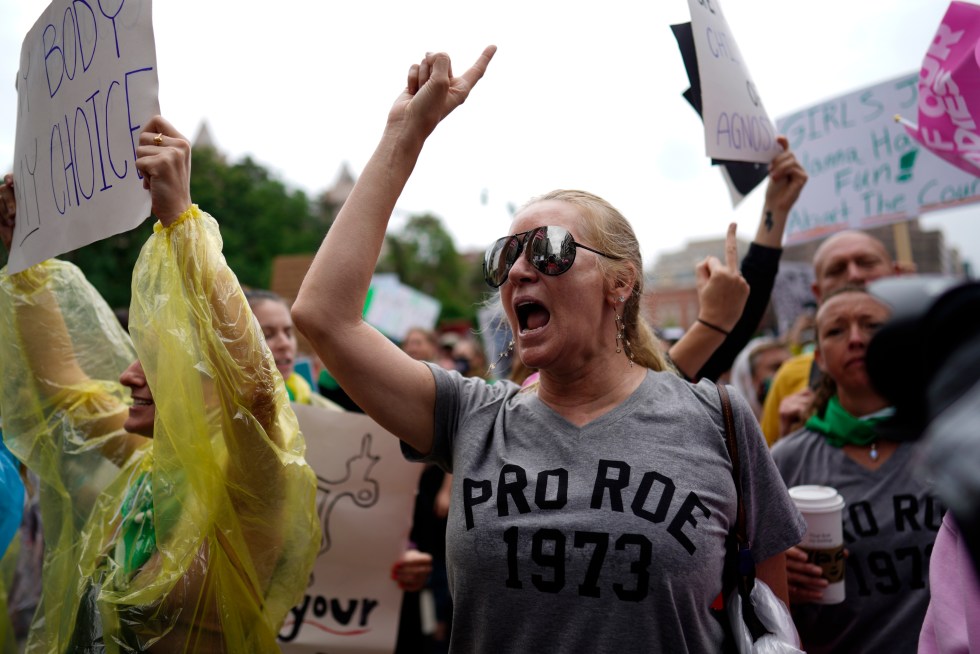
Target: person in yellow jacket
[(181, 519)]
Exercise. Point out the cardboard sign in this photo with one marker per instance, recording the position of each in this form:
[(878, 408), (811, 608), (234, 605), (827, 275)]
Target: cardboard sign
[(87, 82), (365, 499), (864, 168), (736, 125)]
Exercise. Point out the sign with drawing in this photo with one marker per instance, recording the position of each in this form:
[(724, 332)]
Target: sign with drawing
[(365, 499)]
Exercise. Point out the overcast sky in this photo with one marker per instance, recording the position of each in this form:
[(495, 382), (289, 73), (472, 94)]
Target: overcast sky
[(580, 95)]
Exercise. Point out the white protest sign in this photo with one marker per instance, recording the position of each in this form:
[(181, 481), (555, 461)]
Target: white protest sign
[(394, 308), (87, 82), (736, 125), (365, 499), (864, 169)]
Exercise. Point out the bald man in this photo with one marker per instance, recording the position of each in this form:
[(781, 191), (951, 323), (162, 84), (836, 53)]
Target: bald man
[(846, 258)]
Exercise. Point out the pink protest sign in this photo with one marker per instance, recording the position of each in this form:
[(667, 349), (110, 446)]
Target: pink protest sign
[(949, 90)]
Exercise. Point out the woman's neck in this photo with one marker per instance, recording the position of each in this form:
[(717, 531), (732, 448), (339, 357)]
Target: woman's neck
[(581, 397), (861, 403)]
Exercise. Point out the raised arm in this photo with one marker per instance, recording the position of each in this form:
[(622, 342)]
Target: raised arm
[(787, 177), (722, 292), (393, 388), (225, 439), (182, 262), (759, 267), (62, 351)]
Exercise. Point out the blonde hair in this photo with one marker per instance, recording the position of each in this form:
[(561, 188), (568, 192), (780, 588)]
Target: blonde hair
[(608, 231)]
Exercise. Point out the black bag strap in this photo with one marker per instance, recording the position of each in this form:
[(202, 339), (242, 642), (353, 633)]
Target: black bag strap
[(746, 564)]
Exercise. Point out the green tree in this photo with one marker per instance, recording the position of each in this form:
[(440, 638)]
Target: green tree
[(424, 257), (260, 217)]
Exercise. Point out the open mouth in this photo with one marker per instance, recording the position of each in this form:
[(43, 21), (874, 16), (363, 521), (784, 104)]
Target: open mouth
[(531, 316), (139, 401)]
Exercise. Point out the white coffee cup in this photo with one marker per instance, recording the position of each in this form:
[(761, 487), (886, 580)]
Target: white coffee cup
[(821, 507)]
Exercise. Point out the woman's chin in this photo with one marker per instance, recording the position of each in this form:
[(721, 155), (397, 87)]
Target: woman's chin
[(141, 426)]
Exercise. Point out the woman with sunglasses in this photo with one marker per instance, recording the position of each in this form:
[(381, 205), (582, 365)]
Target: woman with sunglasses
[(589, 512)]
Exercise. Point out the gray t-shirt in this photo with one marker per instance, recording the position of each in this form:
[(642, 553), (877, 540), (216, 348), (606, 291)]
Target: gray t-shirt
[(890, 523), (603, 538)]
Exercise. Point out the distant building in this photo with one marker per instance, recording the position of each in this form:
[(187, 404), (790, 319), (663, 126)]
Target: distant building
[(676, 269), (671, 299), (929, 251), (204, 139), (333, 198), (337, 194)]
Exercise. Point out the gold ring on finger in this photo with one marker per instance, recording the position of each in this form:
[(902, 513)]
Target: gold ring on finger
[(158, 139)]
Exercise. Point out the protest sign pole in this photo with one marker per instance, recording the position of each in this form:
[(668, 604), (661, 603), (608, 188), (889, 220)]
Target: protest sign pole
[(903, 242)]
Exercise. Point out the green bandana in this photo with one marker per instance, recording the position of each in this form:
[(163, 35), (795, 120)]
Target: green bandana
[(139, 539), (841, 428)]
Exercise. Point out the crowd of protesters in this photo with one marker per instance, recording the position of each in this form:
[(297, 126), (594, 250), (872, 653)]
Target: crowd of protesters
[(156, 496)]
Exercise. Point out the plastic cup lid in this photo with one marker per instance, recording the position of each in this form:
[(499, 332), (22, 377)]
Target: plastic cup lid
[(816, 499)]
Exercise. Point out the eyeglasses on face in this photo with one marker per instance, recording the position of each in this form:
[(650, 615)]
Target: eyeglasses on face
[(551, 250)]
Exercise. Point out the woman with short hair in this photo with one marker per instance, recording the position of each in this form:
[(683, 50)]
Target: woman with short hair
[(890, 518)]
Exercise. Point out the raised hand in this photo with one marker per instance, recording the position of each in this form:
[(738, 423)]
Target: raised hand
[(786, 180), (164, 159), (722, 291), (432, 92)]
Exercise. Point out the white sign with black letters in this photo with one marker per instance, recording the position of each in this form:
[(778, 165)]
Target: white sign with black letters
[(86, 84), (736, 125)]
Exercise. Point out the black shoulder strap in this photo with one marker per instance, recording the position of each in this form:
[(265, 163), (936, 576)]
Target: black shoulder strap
[(728, 417), (746, 564)]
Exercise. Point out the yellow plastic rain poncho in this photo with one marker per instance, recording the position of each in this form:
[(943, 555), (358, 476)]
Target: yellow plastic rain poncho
[(205, 537)]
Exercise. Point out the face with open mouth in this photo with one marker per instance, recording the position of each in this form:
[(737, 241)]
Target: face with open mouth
[(143, 410), (555, 319)]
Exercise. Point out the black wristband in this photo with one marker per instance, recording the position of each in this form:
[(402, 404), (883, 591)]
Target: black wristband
[(714, 327)]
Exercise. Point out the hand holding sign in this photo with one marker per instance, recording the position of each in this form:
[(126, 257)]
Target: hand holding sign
[(164, 159), (786, 179)]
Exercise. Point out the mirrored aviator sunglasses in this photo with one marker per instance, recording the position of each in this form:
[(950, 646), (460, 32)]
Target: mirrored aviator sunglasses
[(551, 250)]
